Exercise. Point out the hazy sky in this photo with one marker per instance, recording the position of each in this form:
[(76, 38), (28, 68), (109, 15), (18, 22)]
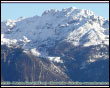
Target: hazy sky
[(16, 10)]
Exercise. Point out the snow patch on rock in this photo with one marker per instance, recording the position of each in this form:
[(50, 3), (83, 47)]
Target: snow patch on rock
[(55, 59), (35, 52)]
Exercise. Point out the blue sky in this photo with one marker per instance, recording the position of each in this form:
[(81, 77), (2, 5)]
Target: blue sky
[(16, 10)]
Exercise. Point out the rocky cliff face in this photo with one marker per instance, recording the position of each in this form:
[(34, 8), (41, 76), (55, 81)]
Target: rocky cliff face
[(18, 66)]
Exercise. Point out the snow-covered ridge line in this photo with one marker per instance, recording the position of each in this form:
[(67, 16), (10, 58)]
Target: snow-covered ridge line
[(77, 26)]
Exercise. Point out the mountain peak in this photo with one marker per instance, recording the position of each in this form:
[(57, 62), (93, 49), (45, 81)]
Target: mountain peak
[(50, 11), (72, 8)]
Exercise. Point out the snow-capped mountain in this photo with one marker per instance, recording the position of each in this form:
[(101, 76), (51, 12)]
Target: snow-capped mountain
[(78, 26), (70, 37)]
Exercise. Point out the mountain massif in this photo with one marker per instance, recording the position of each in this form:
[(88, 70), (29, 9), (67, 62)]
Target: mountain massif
[(67, 45)]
